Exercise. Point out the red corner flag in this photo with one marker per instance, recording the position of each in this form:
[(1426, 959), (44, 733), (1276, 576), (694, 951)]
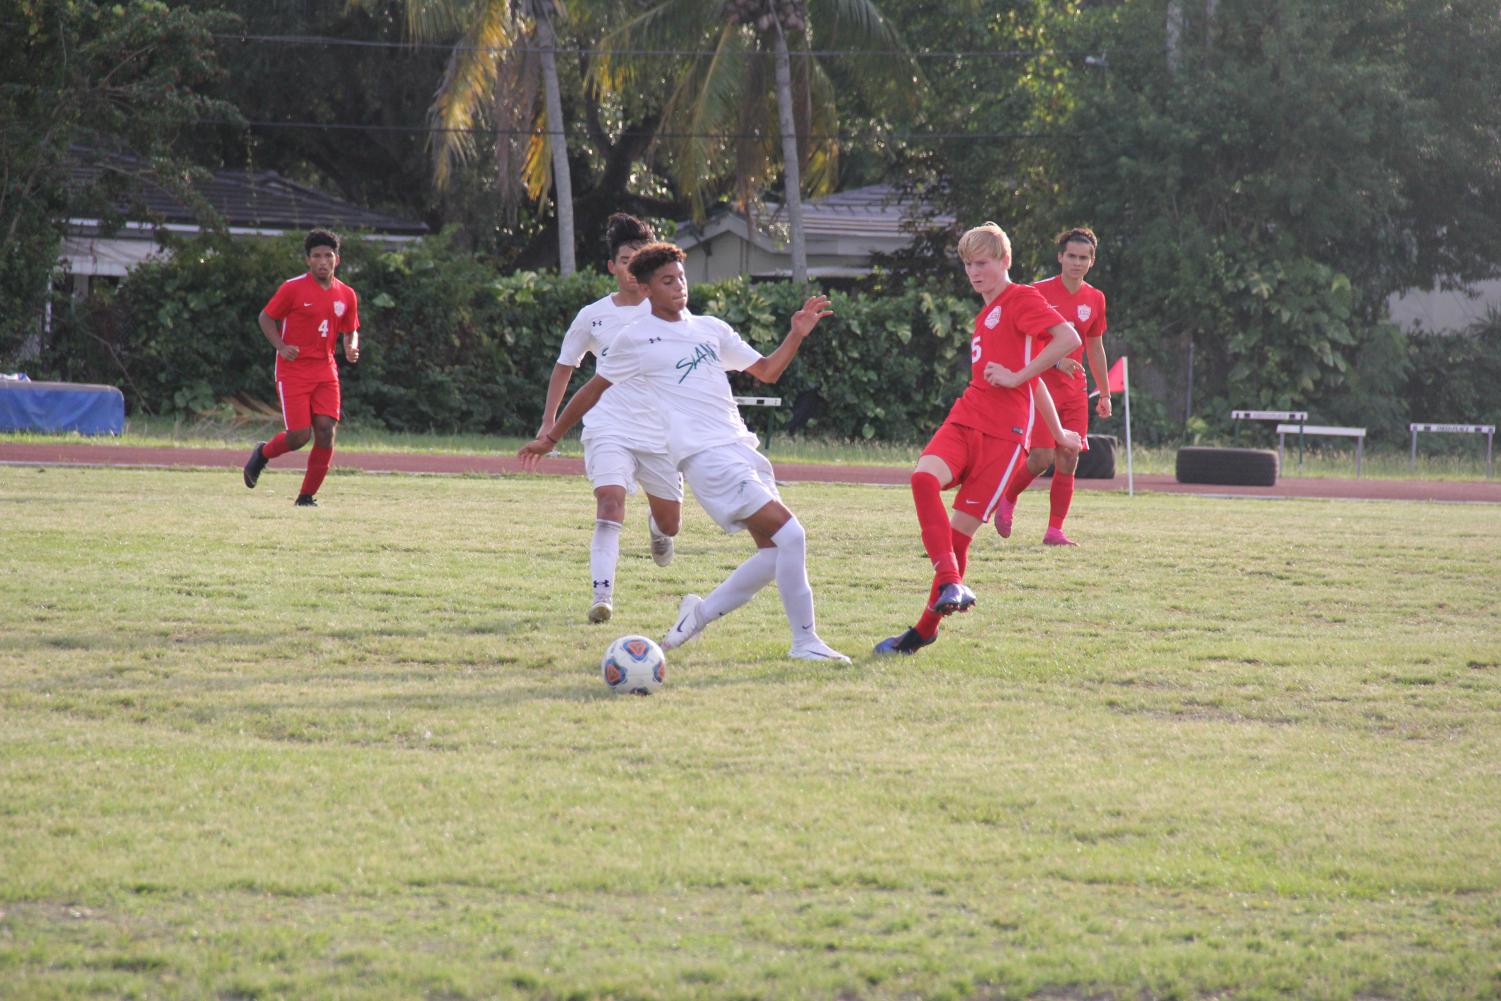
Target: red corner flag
[(1116, 377)]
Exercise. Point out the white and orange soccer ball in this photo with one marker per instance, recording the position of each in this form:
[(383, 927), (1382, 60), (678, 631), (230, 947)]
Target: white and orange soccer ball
[(634, 665)]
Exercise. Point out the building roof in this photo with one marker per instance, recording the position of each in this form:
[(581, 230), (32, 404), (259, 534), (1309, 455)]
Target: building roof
[(246, 200), (877, 215)]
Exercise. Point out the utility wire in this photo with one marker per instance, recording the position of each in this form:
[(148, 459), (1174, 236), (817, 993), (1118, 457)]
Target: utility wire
[(328, 41), (838, 137)]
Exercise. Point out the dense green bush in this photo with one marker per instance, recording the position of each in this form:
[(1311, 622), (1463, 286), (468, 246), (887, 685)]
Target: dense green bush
[(451, 344)]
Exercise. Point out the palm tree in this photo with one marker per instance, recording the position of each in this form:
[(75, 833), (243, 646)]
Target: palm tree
[(725, 107), (505, 48)]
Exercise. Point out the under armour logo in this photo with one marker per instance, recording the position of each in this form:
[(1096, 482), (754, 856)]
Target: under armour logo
[(653, 340), (601, 583)]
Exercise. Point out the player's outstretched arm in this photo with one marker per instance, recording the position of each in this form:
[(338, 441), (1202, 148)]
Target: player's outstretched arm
[(556, 387), (1049, 411), (770, 368), (1064, 339), (1094, 350), (552, 432)]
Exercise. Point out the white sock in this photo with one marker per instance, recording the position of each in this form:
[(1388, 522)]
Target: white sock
[(651, 526), (792, 581), (740, 586), (604, 553)]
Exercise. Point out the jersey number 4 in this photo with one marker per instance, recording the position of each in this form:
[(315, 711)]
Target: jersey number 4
[(323, 330)]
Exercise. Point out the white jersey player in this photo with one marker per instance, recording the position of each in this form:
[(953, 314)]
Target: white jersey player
[(681, 360), (625, 439)]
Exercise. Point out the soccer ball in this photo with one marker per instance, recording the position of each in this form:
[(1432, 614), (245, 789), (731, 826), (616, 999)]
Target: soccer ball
[(634, 665)]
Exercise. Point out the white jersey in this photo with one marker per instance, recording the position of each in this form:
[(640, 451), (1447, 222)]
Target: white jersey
[(626, 411), (682, 367)]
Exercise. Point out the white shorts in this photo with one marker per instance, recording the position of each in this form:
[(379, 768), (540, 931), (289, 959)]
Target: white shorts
[(732, 482), (610, 462)]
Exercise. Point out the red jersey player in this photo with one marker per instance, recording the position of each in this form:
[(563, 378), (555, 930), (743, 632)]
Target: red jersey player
[(301, 321), (1083, 305), (983, 443)]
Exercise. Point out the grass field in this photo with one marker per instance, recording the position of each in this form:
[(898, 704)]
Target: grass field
[(1225, 749)]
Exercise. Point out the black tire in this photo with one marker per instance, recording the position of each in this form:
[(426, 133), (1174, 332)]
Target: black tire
[(1098, 463), (1236, 467)]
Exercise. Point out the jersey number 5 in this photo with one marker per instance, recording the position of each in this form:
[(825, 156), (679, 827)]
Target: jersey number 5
[(974, 349)]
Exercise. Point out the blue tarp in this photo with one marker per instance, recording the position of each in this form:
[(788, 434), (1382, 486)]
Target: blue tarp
[(61, 406)]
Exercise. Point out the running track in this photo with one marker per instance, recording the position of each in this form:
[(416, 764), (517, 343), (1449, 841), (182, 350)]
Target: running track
[(79, 454)]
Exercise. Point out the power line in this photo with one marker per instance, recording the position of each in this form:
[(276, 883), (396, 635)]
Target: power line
[(331, 42), (838, 137)]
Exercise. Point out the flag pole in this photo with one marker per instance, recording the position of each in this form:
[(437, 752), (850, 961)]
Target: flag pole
[(1126, 392)]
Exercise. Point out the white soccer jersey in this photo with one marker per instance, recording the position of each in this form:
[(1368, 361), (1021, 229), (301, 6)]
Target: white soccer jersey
[(626, 411), (682, 367)]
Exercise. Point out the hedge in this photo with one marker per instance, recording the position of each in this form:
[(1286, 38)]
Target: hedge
[(450, 343)]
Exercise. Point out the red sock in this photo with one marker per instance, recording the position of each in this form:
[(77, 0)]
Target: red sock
[(933, 520), (317, 468), (927, 624), (1019, 482), (1062, 495), (276, 446)]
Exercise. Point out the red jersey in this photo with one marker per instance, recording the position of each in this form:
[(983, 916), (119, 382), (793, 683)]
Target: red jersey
[(1085, 309), (312, 317), (1005, 333)]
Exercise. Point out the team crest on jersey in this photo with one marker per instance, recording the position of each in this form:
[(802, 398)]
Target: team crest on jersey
[(338, 307), (993, 318), (1084, 313)]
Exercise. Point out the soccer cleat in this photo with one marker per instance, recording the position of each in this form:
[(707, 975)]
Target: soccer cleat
[(1055, 537), (255, 465), (687, 625), (305, 500), (661, 545), (600, 611), (816, 649), (908, 642), (953, 598), (1003, 513)]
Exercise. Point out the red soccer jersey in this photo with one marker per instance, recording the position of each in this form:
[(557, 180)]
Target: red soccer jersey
[(1005, 332), (312, 317), (1085, 309)]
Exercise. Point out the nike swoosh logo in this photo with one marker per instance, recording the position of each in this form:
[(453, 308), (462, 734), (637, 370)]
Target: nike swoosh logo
[(681, 623), (807, 627), (307, 305)]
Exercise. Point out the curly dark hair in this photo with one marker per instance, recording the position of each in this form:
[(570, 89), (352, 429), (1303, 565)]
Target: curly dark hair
[(649, 258), (623, 229), (320, 238)]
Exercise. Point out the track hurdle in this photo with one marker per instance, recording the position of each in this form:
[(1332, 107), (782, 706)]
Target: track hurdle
[(1489, 430)]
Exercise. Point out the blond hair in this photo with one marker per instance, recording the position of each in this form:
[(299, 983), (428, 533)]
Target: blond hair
[(987, 240)]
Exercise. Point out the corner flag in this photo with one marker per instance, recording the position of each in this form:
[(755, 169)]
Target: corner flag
[(1116, 377)]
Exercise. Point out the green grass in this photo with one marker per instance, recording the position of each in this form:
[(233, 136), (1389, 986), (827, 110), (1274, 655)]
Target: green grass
[(1226, 749), (1441, 460)]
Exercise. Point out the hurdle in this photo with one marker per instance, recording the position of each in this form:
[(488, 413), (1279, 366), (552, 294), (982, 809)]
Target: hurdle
[(771, 402), (1322, 429), (1489, 430), (1298, 416)]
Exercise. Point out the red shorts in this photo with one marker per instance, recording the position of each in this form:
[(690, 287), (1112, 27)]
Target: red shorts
[(1073, 414), (982, 464), (301, 400)]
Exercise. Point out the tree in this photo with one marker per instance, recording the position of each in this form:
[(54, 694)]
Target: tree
[(80, 77), (505, 48), (1261, 198), (726, 108)]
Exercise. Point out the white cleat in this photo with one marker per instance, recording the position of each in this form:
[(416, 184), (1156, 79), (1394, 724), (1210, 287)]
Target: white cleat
[(688, 624), (661, 545), (816, 649), (600, 611)]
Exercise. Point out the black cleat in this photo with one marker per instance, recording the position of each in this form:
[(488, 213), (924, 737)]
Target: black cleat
[(953, 598), (908, 642), (305, 500), (255, 465)]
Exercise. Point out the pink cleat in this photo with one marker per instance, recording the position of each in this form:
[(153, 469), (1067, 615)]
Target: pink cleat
[(1055, 537), (1003, 513)]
